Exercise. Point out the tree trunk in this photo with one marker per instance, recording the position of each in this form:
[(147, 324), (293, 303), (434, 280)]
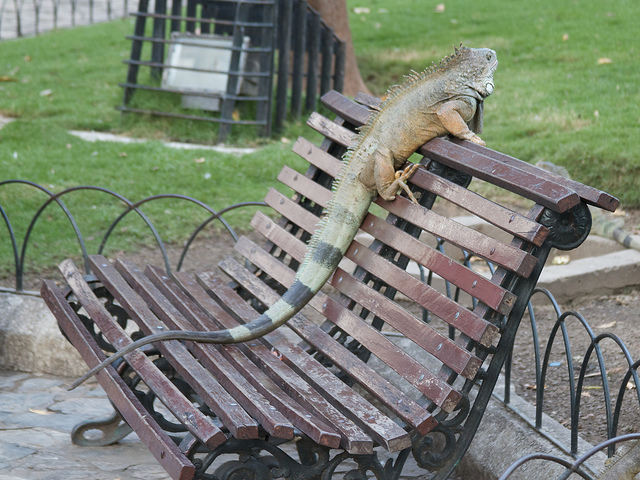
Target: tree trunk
[(334, 13)]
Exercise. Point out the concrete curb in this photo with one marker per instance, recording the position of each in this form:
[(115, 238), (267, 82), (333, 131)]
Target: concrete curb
[(509, 429), (601, 275), (30, 340)]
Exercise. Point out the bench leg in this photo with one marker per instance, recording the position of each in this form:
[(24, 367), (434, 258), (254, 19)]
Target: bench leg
[(113, 429)]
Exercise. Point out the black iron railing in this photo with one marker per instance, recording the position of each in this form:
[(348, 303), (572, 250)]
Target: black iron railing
[(277, 52), (575, 467), (585, 365)]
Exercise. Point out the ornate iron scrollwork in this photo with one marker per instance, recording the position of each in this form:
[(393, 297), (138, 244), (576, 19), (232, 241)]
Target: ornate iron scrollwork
[(568, 229), (119, 313), (431, 452), (451, 174), (111, 430), (434, 449), (262, 459)]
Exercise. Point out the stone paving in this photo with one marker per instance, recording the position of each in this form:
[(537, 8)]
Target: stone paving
[(37, 414)]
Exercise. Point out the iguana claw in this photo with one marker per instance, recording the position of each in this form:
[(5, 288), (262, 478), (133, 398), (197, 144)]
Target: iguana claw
[(403, 175)]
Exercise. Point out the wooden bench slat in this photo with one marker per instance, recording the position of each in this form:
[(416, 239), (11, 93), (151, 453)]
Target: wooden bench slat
[(482, 245), (589, 194), (331, 130), (317, 157), (499, 216), (413, 371), (462, 361), (241, 390), (240, 424), (351, 112), (163, 448), (552, 195), (197, 423)]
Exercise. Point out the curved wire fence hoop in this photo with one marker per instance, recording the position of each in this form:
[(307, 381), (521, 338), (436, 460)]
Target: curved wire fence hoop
[(52, 197), (20, 254), (134, 207), (561, 327), (573, 467)]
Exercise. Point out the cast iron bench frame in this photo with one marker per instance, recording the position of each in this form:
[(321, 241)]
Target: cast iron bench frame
[(324, 393)]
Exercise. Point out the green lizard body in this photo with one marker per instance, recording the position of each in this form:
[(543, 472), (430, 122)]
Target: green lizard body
[(444, 99)]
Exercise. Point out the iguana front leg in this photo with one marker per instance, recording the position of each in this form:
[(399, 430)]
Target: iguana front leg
[(387, 180), (454, 116)]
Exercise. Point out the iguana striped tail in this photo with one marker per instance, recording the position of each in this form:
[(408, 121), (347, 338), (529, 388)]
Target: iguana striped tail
[(326, 248)]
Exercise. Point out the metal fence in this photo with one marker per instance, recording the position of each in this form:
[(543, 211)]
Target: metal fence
[(583, 364), (258, 42), (572, 344), (576, 467)]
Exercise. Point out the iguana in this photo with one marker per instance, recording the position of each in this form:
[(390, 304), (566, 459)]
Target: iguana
[(446, 98)]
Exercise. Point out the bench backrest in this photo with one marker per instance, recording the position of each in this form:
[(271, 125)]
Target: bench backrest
[(465, 318)]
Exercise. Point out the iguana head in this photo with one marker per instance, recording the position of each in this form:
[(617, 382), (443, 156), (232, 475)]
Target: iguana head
[(478, 66)]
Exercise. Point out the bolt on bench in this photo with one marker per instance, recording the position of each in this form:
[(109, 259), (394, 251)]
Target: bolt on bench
[(359, 375)]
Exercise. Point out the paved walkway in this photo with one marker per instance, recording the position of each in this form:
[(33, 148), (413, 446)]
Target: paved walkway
[(37, 414), (36, 417)]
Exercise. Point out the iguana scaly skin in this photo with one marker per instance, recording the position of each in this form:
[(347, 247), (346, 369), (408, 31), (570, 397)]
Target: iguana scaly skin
[(445, 99)]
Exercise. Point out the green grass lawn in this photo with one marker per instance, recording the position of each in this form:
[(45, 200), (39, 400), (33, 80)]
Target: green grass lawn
[(566, 92)]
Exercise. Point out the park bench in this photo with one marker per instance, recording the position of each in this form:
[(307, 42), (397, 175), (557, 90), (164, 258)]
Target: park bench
[(387, 363)]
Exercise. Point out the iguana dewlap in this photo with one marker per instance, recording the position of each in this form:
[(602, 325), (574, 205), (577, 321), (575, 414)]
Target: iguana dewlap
[(444, 99)]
